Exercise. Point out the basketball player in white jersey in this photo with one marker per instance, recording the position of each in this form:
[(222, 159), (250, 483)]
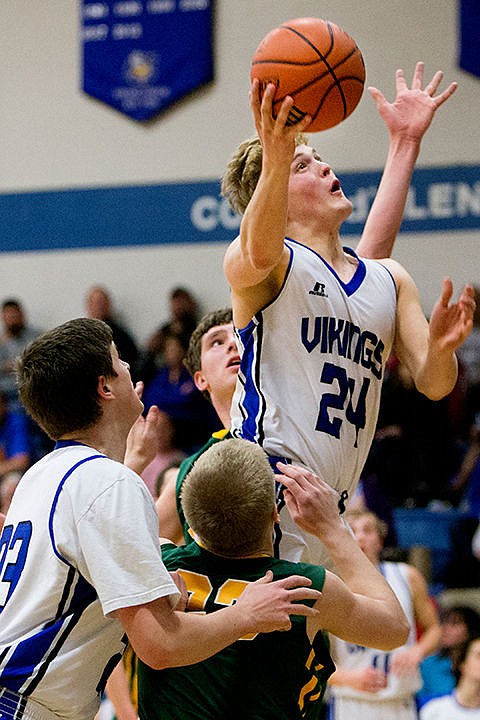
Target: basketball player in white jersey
[(80, 562), (315, 322), (370, 684)]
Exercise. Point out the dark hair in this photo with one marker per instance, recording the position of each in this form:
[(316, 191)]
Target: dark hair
[(11, 303), (193, 358), (58, 373), (464, 613)]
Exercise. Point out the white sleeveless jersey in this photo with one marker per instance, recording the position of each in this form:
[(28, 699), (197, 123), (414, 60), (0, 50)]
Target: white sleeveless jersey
[(312, 365), (69, 554), (357, 657)]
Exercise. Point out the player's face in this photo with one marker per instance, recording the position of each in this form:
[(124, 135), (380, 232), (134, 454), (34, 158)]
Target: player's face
[(366, 534), (314, 188), (471, 665), (122, 387), (220, 361)]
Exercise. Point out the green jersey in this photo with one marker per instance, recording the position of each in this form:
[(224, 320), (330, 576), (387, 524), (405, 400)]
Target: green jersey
[(265, 676), (185, 467)]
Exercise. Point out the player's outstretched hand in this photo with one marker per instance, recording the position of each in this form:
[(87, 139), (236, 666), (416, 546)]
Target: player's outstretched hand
[(451, 322), (312, 503), (268, 604), (276, 136), (142, 440), (413, 109)]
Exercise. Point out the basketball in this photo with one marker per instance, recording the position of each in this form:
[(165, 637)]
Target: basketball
[(318, 64)]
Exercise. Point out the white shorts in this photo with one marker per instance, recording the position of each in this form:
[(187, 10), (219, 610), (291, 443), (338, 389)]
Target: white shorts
[(340, 708)]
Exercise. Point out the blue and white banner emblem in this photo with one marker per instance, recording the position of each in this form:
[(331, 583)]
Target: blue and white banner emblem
[(140, 56)]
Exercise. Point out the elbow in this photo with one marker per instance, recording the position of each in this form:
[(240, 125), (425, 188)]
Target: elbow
[(397, 634)]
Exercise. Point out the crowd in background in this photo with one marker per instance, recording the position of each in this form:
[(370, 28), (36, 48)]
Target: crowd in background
[(426, 454)]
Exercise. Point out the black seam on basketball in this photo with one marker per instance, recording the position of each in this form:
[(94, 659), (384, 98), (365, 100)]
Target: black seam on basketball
[(300, 35), (336, 83)]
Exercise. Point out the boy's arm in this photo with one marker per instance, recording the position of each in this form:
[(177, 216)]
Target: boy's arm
[(162, 637), (358, 606), (256, 261), (426, 617), (427, 349), (407, 120)]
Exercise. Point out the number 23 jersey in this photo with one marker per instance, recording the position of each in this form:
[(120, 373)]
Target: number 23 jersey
[(312, 366)]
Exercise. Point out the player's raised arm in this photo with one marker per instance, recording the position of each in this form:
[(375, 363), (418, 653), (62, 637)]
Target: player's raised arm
[(427, 349), (407, 120)]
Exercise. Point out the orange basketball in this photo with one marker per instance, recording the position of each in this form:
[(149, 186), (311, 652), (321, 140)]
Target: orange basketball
[(318, 64)]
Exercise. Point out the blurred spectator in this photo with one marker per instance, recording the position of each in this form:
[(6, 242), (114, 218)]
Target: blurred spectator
[(469, 356), (183, 318), (15, 337), (172, 389), (14, 450), (464, 701), (476, 542), (99, 306), (168, 454), (414, 454), (369, 683), (458, 623)]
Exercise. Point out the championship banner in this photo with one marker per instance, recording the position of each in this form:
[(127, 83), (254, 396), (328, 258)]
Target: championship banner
[(470, 36), (140, 56)]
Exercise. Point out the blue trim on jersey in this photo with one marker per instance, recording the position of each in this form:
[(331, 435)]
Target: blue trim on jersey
[(358, 276), (57, 494), (32, 657), (252, 404), (35, 652), (12, 706)]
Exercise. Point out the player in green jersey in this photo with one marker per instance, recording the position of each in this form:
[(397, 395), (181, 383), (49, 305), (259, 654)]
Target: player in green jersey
[(228, 499)]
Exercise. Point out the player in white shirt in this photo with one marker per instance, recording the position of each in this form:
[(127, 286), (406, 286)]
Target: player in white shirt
[(464, 702), (316, 322), (80, 562), (369, 684)]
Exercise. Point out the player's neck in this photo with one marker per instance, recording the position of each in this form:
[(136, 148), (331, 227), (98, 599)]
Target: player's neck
[(468, 693), (102, 438)]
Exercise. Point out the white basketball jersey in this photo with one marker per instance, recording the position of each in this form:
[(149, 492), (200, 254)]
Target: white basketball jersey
[(356, 657), (312, 366), (78, 525)]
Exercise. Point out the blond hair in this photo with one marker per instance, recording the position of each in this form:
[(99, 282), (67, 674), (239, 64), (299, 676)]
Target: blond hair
[(380, 526), (243, 171), (228, 497)]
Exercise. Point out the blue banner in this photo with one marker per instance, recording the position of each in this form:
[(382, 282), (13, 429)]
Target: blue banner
[(440, 199), (470, 36), (140, 56)]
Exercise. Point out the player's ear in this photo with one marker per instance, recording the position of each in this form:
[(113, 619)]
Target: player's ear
[(200, 381), (103, 387), (276, 519)]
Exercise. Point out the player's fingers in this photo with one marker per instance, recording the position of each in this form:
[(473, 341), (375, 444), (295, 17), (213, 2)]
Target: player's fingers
[(303, 594), (283, 113), (377, 95), (434, 83), (417, 80), (440, 99), (305, 610), (400, 81), (267, 578), (447, 291), (294, 581), (267, 102), (139, 388)]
